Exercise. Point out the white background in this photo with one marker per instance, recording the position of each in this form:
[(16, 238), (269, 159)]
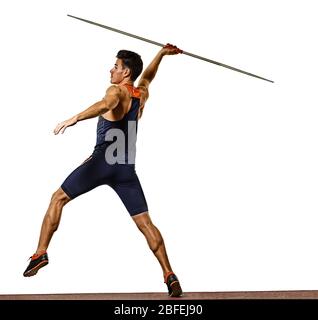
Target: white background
[(228, 162)]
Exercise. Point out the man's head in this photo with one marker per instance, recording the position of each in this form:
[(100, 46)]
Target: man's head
[(128, 66)]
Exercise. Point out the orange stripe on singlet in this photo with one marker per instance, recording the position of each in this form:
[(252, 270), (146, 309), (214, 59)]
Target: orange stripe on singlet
[(135, 92)]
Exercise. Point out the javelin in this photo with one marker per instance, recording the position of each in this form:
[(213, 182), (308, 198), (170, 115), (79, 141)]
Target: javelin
[(162, 45)]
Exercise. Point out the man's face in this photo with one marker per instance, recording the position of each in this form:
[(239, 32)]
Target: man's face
[(118, 72)]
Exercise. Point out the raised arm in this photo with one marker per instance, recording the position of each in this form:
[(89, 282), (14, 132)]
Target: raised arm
[(150, 72), (109, 102)]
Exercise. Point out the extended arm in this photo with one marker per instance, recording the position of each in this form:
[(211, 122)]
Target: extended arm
[(150, 72), (110, 102)]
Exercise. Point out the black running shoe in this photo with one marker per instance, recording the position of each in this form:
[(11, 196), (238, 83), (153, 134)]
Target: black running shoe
[(37, 262), (173, 284)]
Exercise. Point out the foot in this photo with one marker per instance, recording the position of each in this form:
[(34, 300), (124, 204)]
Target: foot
[(173, 284), (37, 262)]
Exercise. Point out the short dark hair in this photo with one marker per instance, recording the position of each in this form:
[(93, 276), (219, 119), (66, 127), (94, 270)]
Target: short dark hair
[(132, 61)]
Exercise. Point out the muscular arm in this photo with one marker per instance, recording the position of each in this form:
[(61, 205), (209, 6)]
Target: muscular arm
[(109, 102), (150, 72)]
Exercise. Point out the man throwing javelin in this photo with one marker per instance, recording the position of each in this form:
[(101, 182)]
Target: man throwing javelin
[(118, 112)]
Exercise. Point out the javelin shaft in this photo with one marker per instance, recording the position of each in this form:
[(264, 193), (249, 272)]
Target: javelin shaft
[(162, 45), (119, 31)]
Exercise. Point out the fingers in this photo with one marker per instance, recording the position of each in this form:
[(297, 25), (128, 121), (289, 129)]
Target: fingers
[(60, 128), (57, 129), (172, 48), (63, 129)]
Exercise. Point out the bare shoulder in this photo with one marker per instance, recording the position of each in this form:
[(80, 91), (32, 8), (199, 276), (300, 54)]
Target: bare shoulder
[(114, 93), (144, 92), (113, 90)]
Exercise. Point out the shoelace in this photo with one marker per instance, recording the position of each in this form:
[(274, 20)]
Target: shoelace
[(34, 256)]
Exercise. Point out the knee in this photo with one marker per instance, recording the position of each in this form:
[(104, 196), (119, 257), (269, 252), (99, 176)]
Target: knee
[(60, 197), (145, 226)]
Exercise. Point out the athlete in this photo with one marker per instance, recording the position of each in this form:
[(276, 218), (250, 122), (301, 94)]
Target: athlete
[(112, 161)]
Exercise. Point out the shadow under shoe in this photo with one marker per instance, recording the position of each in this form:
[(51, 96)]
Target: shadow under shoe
[(173, 284), (37, 262)]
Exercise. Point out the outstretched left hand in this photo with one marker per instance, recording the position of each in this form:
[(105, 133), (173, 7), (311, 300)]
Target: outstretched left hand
[(63, 125)]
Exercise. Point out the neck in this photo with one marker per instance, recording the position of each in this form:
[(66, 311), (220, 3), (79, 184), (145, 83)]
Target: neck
[(127, 82)]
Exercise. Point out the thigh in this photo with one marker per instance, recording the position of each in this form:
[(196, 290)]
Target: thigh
[(84, 178), (130, 192)]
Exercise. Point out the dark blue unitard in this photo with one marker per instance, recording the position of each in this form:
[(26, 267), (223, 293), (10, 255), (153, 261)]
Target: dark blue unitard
[(98, 170)]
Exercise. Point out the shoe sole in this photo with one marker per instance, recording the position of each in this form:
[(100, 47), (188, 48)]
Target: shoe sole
[(176, 289), (35, 269)]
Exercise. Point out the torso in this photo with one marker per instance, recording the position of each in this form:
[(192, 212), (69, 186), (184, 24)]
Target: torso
[(125, 104)]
